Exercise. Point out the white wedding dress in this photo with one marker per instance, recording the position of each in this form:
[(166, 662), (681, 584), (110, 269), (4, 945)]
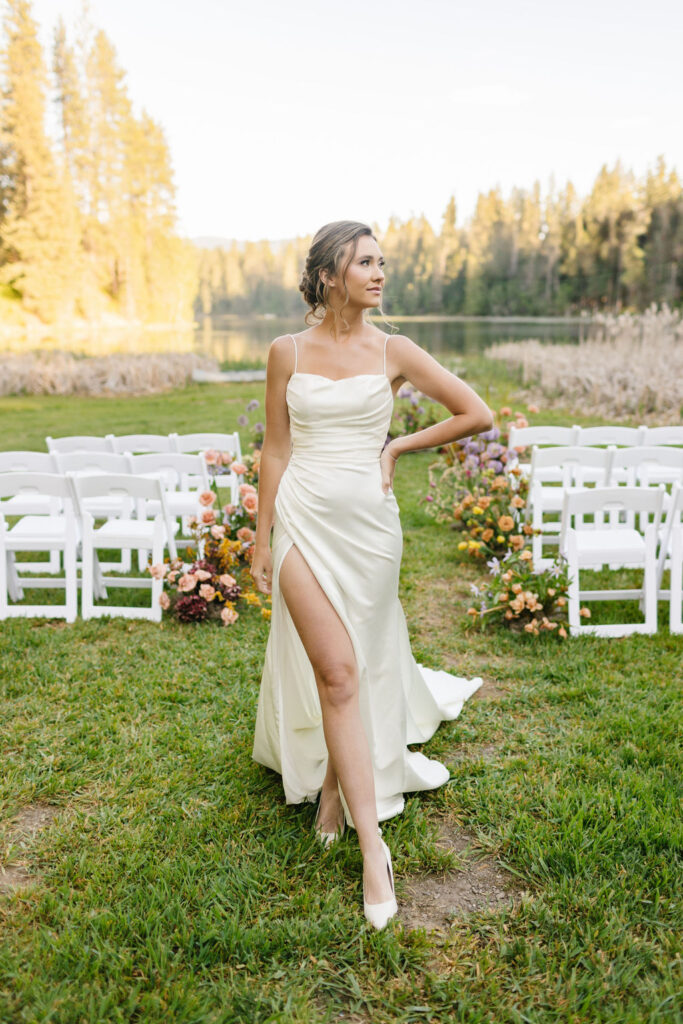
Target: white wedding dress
[(331, 505)]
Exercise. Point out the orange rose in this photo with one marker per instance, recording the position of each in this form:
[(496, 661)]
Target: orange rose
[(506, 523)]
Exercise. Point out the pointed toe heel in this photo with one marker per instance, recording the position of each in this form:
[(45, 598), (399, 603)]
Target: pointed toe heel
[(379, 914)]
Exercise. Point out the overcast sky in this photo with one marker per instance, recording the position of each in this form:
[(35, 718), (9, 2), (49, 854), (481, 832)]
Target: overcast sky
[(282, 115)]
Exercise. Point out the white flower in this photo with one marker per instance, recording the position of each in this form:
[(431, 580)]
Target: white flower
[(493, 566)]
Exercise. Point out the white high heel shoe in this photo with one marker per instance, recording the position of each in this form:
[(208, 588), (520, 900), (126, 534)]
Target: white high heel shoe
[(379, 914), (328, 838)]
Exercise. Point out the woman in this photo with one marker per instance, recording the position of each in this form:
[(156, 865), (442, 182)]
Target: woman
[(341, 695)]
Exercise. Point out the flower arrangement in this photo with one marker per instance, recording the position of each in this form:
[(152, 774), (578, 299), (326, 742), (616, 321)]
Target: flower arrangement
[(521, 599), (258, 429), (218, 580)]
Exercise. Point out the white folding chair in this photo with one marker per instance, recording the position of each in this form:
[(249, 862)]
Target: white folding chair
[(590, 547), (79, 443), (553, 470), (647, 466), (204, 441), (103, 506), (142, 443), (123, 532), (608, 433), (542, 437), (183, 476), (31, 502), (672, 435), (37, 532), (671, 556)]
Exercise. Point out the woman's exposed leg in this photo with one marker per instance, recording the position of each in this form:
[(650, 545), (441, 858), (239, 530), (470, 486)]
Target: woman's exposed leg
[(331, 654)]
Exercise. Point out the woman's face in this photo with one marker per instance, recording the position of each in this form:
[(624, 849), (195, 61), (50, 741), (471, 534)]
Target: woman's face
[(364, 275)]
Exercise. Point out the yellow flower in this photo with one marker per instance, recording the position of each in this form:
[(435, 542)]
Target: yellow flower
[(266, 613), (500, 538), (462, 545), (477, 511), (473, 545)]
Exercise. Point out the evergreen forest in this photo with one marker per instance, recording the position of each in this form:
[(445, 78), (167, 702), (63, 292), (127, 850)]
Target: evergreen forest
[(88, 226)]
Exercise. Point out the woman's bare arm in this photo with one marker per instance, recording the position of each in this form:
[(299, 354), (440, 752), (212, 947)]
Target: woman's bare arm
[(469, 414), (274, 455)]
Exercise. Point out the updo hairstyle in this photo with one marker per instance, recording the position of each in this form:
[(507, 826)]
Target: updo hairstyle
[(327, 253)]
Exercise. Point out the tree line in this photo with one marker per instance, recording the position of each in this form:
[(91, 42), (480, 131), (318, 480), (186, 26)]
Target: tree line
[(620, 247), (88, 219)]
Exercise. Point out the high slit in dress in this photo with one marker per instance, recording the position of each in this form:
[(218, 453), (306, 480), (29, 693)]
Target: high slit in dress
[(331, 506)]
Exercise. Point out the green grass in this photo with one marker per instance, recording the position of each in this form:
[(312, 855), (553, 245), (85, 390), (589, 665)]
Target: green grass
[(175, 885)]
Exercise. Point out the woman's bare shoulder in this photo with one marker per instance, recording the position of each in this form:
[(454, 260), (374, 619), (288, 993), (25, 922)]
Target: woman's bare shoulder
[(281, 354)]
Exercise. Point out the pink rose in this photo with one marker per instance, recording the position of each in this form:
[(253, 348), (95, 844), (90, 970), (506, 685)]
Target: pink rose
[(164, 600), (250, 502), (533, 408), (226, 580), (202, 574), (187, 582), (192, 520), (245, 534), (212, 457), (207, 498), (229, 509), (208, 517), (229, 615), (247, 489), (207, 591), (158, 571), (218, 532), (506, 411), (238, 467), (226, 458), (172, 577)]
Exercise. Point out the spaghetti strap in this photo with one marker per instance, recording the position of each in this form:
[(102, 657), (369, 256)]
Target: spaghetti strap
[(296, 353), (386, 339)]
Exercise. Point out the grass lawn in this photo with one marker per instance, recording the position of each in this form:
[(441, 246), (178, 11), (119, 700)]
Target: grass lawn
[(170, 883)]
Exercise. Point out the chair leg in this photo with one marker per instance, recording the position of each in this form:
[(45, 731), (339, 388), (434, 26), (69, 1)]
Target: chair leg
[(650, 581), (87, 600), (70, 579), (157, 557), (573, 593), (676, 591), (16, 591)]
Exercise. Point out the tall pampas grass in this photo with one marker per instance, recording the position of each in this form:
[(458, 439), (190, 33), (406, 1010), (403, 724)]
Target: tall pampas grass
[(628, 366), (62, 373)]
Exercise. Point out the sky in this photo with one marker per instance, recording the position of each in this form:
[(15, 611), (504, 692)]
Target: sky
[(283, 115)]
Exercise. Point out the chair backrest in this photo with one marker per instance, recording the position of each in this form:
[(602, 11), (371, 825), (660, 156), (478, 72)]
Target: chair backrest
[(608, 433), (572, 462), (177, 469), (51, 484), (138, 443), (204, 442), (117, 485), (27, 462), (674, 519), (78, 443), (519, 437), (619, 504), (664, 435), (91, 462), (646, 466)]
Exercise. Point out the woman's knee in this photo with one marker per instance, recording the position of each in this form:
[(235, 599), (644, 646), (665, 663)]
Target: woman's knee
[(337, 682)]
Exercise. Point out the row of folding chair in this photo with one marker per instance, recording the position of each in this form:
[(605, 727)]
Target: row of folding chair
[(553, 470), (606, 433), (612, 537), (142, 521), (146, 443)]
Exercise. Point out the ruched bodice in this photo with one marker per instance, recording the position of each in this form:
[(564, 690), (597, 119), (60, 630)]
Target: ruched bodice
[(331, 506), (348, 417)]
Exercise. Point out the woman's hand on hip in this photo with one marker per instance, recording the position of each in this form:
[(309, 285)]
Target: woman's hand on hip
[(388, 465), (262, 570)]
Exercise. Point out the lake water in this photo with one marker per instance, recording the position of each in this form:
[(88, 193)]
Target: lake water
[(242, 341)]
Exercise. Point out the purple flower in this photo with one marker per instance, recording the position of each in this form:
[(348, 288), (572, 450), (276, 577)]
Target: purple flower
[(259, 428), (474, 589), (471, 462), (429, 497), (413, 400), (420, 410), (405, 392), (490, 435), (242, 421), (496, 465), (253, 405)]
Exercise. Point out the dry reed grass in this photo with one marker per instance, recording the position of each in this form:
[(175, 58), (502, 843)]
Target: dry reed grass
[(62, 373), (628, 366)]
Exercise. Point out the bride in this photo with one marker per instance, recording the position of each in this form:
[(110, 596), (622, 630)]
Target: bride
[(341, 695)]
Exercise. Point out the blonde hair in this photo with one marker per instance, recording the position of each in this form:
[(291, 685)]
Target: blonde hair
[(327, 253)]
